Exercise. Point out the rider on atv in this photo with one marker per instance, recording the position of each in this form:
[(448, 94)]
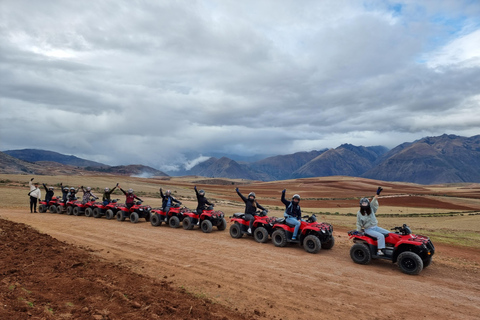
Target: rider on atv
[(293, 213), (130, 200), (49, 193), (167, 202), (106, 195), (72, 195), (251, 206), (202, 202), (367, 221), (64, 193), (87, 194)]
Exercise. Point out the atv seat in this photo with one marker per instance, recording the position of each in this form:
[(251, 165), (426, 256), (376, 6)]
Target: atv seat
[(284, 221), (280, 220), (374, 238), (239, 215)]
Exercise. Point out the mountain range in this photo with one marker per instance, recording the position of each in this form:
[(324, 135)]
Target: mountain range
[(431, 160)]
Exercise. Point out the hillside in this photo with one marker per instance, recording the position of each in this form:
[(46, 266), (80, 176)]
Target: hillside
[(11, 165), (136, 170), (35, 155), (225, 168)]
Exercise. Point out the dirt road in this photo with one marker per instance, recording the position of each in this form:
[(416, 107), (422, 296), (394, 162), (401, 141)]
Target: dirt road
[(276, 283)]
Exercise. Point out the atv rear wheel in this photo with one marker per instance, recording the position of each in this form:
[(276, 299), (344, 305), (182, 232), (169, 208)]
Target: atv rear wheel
[(42, 208), (206, 226), (410, 263), (312, 244), (223, 225), (427, 261), (109, 214), (53, 209), (155, 220), (120, 216), (360, 254), (69, 210), (76, 211), (279, 238), (88, 212), (59, 209), (174, 222), (260, 235), (187, 223), (97, 213), (134, 217), (235, 231), (329, 244)]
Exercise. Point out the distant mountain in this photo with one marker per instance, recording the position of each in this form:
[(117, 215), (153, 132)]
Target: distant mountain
[(35, 155), (11, 165), (447, 158), (136, 170), (281, 167), (346, 160), (225, 168)]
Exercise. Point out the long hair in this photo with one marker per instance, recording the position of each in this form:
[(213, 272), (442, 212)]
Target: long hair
[(365, 210)]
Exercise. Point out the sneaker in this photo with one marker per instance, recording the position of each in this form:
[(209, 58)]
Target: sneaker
[(249, 230), (294, 238), (380, 253), (198, 223)]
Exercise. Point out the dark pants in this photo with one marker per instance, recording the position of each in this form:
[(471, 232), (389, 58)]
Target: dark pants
[(33, 204), (105, 202), (48, 199), (129, 205), (251, 218)]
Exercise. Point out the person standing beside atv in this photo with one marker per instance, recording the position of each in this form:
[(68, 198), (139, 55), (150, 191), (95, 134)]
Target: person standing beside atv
[(49, 193), (167, 201), (87, 194), (202, 202), (130, 200), (367, 221), (106, 195), (251, 206), (293, 213), (35, 195)]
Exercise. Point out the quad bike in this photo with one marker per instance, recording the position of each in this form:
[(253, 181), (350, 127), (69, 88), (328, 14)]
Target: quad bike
[(50, 206), (312, 235), (175, 215), (411, 252), (262, 226), (108, 210), (133, 213), (85, 208), (207, 220)]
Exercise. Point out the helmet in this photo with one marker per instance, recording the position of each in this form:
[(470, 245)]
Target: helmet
[(364, 203), (130, 190), (296, 196), (50, 188), (107, 189), (72, 189), (89, 189), (201, 192), (251, 194), (168, 192), (65, 188)]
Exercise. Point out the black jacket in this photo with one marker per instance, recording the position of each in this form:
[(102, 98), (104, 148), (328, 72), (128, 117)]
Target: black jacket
[(106, 195), (291, 208), (165, 199), (64, 193), (202, 201), (49, 193), (250, 205)]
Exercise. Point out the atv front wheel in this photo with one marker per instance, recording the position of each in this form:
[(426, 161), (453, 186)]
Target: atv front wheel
[(360, 254), (76, 211), (206, 226), (59, 209), (97, 213), (155, 220), (53, 209), (42, 208), (223, 225), (312, 244), (120, 216), (88, 212), (410, 263), (109, 214), (69, 211), (260, 235), (187, 223), (279, 238), (329, 244), (134, 217), (235, 231), (174, 222)]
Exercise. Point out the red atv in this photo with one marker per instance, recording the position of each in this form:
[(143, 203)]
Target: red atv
[(312, 235), (86, 208), (262, 226), (173, 218), (207, 220), (70, 205), (50, 206), (108, 210), (135, 212), (412, 252)]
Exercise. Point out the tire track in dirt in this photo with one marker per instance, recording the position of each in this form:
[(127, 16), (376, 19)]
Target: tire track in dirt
[(280, 283)]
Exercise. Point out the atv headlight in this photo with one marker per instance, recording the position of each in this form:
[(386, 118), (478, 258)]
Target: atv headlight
[(323, 231), (140, 209)]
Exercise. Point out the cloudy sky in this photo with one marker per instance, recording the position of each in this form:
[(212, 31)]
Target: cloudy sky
[(162, 82)]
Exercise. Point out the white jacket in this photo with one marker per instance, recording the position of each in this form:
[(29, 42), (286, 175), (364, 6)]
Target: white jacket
[(34, 191)]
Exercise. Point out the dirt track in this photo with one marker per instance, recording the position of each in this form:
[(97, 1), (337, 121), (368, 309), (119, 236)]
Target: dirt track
[(280, 283)]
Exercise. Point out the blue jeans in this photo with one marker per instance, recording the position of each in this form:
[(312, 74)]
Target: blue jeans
[(106, 202), (295, 222), (377, 232)]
